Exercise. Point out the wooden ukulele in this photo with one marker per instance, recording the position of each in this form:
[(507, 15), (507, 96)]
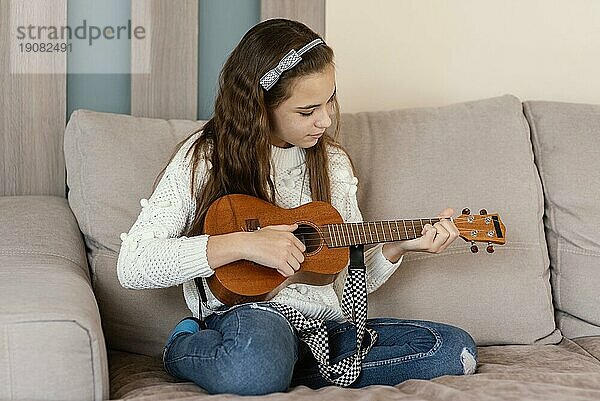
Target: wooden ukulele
[(326, 237)]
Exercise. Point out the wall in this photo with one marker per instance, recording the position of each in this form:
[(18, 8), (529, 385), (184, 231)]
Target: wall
[(390, 54), (410, 53)]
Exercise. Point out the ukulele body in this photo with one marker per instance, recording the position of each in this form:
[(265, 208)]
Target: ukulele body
[(245, 281)]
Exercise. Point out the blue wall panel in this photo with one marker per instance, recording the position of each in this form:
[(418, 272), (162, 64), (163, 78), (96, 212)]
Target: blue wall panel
[(222, 25), (98, 75)]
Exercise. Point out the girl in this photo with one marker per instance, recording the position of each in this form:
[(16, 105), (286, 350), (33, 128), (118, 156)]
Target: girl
[(271, 137)]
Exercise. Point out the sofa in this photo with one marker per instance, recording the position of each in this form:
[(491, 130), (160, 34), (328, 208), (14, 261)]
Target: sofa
[(70, 331)]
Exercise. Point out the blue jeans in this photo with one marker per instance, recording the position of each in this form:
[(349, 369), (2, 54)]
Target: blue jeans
[(253, 350)]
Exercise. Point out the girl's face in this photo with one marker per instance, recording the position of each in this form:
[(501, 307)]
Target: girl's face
[(302, 119)]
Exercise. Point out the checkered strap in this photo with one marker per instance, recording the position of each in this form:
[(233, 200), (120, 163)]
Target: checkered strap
[(314, 333)]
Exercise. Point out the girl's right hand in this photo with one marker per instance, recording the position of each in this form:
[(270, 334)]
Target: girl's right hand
[(275, 247)]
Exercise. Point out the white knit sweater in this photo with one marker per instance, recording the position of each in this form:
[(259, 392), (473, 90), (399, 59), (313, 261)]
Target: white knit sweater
[(155, 254)]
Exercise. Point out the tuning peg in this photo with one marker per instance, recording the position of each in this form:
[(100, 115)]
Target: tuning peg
[(466, 211), (483, 212), (490, 248), (474, 248)]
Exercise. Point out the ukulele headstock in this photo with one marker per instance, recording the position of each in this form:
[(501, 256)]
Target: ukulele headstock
[(482, 227)]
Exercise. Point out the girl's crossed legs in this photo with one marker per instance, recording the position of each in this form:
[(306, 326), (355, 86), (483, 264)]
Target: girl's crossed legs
[(252, 349)]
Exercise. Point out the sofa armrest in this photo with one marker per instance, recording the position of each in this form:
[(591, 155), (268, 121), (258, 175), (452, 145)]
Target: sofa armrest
[(51, 340)]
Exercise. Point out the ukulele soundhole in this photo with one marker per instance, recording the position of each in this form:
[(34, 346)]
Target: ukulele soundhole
[(310, 237)]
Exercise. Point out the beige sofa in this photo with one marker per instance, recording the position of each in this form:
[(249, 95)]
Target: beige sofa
[(69, 331)]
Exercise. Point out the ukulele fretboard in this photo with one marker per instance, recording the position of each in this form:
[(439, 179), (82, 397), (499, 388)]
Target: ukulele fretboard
[(348, 234)]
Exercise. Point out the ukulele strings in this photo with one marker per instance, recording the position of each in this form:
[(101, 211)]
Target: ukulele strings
[(305, 230), (311, 237)]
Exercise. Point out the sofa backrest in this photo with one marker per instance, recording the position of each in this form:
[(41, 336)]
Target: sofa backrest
[(410, 163), (112, 161), (566, 142), (414, 163)]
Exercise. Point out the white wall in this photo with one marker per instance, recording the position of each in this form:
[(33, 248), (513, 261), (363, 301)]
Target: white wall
[(412, 53)]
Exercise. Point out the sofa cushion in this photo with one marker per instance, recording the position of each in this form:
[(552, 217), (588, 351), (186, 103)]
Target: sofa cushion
[(138, 320), (520, 372), (412, 164), (566, 140), (112, 161)]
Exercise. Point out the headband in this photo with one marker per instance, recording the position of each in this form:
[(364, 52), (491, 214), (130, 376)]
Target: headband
[(287, 63)]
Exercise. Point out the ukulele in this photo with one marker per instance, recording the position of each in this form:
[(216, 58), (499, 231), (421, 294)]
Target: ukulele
[(326, 237)]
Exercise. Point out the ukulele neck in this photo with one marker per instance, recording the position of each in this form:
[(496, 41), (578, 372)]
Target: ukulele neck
[(349, 234)]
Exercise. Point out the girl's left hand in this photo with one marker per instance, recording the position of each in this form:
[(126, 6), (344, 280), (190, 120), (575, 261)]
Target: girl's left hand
[(434, 238)]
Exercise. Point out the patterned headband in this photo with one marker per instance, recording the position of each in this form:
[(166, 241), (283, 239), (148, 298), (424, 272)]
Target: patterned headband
[(287, 63)]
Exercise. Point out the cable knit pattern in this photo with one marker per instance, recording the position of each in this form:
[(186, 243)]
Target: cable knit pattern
[(154, 254)]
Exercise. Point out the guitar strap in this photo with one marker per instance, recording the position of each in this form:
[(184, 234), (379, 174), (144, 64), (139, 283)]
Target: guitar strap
[(202, 298), (354, 307), (314, 332)]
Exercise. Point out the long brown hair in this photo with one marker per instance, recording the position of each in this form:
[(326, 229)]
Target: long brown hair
[(236, 139)]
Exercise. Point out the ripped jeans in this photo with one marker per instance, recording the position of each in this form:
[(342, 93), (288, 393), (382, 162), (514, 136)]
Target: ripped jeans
[(253, 350)]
